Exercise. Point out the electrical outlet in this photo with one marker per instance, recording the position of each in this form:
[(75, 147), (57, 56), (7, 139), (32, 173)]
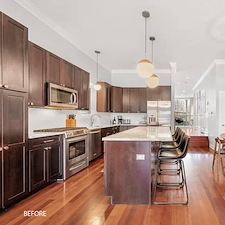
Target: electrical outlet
[(140, 156)]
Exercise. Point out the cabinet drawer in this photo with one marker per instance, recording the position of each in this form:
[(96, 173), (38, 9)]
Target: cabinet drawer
[(37, 142)]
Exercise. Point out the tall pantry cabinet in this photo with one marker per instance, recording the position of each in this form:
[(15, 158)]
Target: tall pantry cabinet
[(13, 110)]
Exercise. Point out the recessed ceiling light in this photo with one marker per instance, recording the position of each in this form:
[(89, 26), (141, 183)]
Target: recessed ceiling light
[(184, 91), (187, 78), (182, 94)]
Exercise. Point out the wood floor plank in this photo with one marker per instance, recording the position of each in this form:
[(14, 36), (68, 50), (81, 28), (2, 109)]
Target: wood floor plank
[(80, 200)]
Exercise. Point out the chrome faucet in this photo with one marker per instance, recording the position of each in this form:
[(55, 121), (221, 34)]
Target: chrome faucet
[(93, 118)]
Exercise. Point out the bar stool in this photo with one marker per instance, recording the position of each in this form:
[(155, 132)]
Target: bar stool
[(167, 155), (219, 149)]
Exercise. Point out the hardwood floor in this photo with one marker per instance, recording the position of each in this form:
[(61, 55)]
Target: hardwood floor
[(80, 200)]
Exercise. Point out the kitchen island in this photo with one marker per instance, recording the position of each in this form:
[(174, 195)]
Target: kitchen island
[(129, 163)]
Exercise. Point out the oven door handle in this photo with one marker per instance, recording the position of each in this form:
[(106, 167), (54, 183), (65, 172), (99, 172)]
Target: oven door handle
[(69, 140)]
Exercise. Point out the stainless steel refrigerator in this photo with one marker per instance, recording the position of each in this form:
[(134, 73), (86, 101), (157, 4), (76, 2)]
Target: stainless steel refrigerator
[(159, 113)]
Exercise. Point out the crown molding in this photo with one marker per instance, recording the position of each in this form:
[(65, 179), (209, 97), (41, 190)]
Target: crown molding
[(134, 71), (205, 74)]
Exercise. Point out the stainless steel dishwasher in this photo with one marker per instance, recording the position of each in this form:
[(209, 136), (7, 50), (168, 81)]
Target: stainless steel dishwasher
[(95, 144)]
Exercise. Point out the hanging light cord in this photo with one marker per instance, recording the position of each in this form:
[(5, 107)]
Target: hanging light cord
[(97, 68), (145, 36), (152, 52)]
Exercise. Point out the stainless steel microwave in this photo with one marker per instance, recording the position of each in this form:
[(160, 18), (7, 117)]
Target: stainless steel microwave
[(60, 96)]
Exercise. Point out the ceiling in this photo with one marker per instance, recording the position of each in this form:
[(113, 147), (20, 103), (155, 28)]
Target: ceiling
[(188, 33)]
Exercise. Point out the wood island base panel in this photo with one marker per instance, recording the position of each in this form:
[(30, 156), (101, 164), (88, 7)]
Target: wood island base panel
[(128, 179)]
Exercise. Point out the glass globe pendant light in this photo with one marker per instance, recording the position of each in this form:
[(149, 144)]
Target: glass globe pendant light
[(145, 67), (97, 86), (153, 80)]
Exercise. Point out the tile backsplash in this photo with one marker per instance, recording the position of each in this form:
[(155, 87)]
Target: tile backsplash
[(48, 118)]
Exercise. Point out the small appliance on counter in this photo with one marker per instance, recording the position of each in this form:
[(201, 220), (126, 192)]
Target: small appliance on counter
[(120, 119), (126, 121)]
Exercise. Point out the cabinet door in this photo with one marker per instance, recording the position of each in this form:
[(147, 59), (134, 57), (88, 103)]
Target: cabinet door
[(165, 93), (14, 55), (77, 85), (142, 98), (37, 67), (103, 97), (126, 100), (66, 73), (53, 68), (85, 90), (153, 94), (55, 161), (15, 138), (116, 99), (37, 168), (134, 101)]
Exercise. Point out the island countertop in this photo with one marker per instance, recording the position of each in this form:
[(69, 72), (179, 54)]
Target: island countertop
[(142, 133)]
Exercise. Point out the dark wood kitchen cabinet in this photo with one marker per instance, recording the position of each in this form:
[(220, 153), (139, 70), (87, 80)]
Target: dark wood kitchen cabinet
[(164, 93), (14, 134), (104, 97), (152, 94), (66, 73), (131, 100), (126, 100), (37, 69), (45, 161), (52, 68), (134, 100), (81, 83), (14, 54), (142, 99), (116, 99)]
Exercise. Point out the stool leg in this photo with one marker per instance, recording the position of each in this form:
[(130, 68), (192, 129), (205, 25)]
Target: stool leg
[(214, 154)]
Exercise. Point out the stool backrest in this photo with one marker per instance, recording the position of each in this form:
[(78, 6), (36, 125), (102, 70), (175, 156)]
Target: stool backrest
[(184, 145), (180, 137), (177, 132)]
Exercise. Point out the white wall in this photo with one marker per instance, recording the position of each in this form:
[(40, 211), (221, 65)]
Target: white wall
[(131, 79), (212, 84)]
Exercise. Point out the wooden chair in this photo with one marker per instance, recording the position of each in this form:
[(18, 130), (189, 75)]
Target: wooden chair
[(219, 149)]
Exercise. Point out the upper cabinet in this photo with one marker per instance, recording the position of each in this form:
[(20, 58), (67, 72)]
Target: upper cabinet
[(153, 94), (37, 69), (53, 68), (165, 93), (14, 54), (81, 83), (134, 100), (104, 97), (66, 73), (142, 98), (116, 99)]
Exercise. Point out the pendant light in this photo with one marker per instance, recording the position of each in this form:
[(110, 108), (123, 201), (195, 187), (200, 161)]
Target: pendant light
[(97, 86), (145, 67), (153, 80)]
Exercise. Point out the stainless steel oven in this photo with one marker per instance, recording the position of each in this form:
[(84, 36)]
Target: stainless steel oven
[(75, 155)]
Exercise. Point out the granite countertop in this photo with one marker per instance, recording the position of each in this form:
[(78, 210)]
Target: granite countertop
[(142, 133), (42, 134), (91, 128)]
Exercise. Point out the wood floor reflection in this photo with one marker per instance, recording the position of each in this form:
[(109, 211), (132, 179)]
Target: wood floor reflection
[(80, 200)]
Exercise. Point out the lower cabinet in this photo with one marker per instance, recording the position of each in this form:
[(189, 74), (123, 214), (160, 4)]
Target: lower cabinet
[(45, 161), (124, 127)]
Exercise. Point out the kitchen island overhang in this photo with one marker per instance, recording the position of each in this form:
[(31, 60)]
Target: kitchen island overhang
[(130, 162)]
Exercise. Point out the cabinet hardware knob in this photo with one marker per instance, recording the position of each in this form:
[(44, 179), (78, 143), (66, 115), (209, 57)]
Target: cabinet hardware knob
[(95, 154), (6, 147), (6, 86), (46, 148), (31, 103), (49, 148)]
